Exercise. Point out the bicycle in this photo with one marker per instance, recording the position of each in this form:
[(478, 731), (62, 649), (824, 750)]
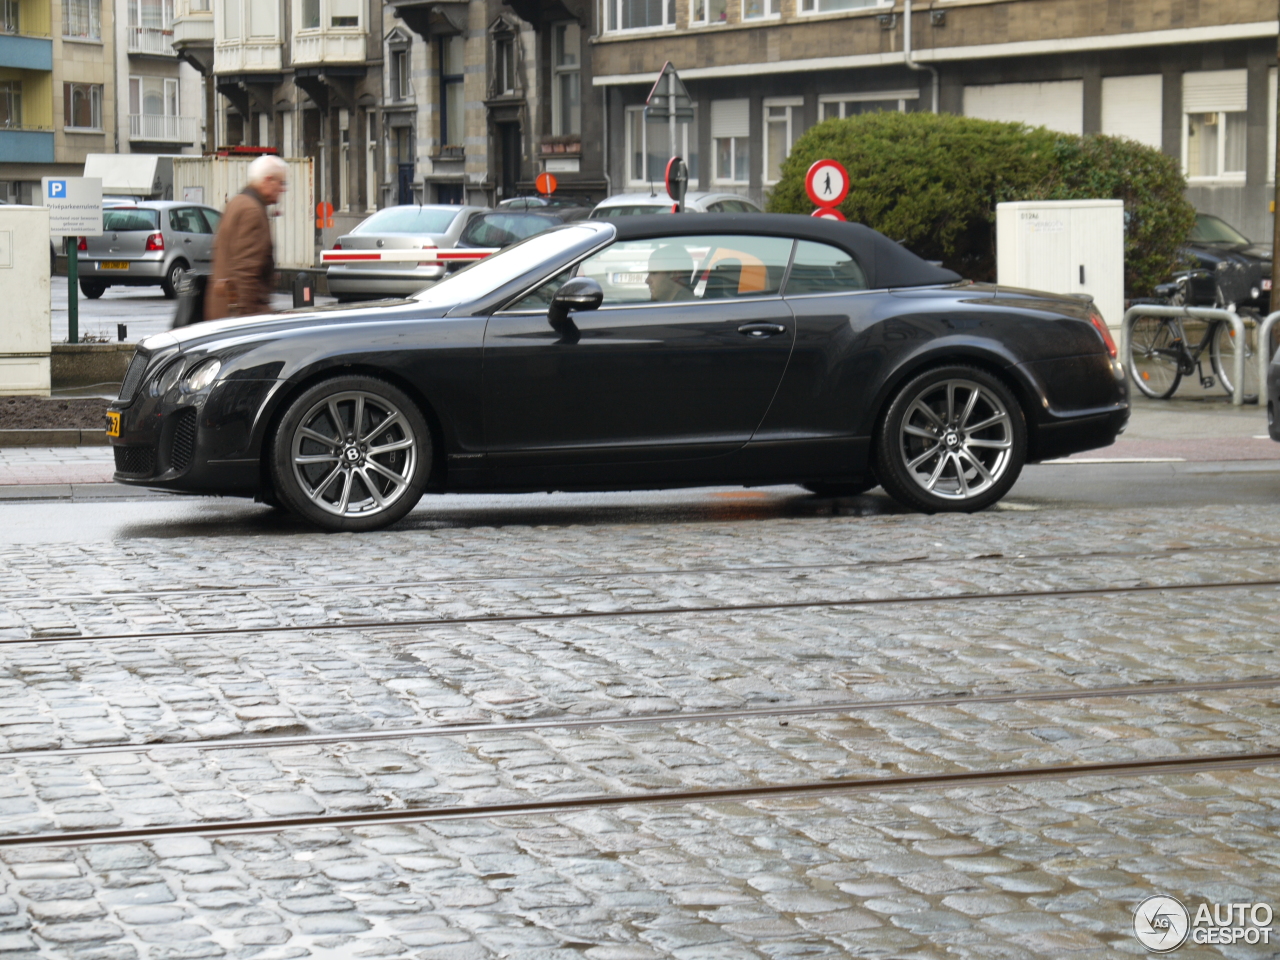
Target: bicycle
[(1159, 355)]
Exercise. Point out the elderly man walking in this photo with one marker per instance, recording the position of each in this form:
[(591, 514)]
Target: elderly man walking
[(244, 265)]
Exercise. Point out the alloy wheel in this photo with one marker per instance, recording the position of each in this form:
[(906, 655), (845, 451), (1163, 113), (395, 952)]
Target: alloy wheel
[(955, 440), (353, 454)]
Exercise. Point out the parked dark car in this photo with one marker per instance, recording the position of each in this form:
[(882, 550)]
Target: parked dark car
[(1229, 268), (642, 353)]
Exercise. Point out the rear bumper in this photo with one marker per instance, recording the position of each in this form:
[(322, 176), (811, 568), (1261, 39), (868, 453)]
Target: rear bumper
[(140, 271), (370, 280)]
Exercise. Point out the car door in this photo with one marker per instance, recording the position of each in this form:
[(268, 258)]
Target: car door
[(193, 237), (838, 362), (680, 361)]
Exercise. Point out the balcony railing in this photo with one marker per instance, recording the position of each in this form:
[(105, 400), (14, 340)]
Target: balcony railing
[(158, 40), (154, 128)]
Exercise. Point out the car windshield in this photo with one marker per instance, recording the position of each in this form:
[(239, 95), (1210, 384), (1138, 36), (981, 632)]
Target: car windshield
[(632, 210), (409, 220), (1210, 229), (125, 220), (501, 229), (493, 272)]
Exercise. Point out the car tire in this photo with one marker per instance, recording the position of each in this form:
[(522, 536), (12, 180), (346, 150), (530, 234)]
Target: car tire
[(850, 489), (336, 477), (172, 277), (93, 289), (953, 440)]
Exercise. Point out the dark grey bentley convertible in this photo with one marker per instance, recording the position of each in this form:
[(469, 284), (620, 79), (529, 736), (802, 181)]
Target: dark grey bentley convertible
[(636, 354)]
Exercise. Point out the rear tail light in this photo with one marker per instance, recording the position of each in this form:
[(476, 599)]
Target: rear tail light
[(155, 241), (1101, 326), (337, 246), (83, 244)]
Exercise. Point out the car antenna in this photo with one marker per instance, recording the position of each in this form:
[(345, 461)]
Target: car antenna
[(424, 192), (652, 192)]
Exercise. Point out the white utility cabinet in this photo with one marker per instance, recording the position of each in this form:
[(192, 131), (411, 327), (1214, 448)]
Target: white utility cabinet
[(24, 290), (1064, 246)]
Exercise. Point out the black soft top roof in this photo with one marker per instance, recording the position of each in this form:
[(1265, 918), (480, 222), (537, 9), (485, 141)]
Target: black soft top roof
[(887, 264)]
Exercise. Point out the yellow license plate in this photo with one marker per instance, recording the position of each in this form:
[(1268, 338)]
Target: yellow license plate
[(115, 264), (113, 424)]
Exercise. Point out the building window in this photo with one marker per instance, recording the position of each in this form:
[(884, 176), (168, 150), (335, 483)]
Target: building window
[(344, 13), (310, 15), (82, 19), (10, 103), (504, 65), (151, 14), (704, 12), (401, 74), (730, 129), (82, 106), (842, 105), (755, 9), (1215, 127), (566, 90), (639, 14), (649, 148), (828, 6), (452, 51), (781, 127), (402, 144), (230, 19), (153, 108), (10, 22)]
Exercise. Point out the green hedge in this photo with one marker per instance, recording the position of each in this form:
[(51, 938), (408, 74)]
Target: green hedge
[(933, 181)]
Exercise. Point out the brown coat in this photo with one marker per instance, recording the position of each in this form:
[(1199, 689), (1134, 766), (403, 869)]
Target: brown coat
[(244, 266)]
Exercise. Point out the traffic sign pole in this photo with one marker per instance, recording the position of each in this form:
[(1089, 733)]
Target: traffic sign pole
[(73, 289)]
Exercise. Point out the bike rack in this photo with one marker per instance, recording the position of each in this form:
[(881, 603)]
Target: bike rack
[(1264, 356), (1195, 313)]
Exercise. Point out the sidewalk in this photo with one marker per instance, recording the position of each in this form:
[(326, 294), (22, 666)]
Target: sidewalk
[(1174, 431)]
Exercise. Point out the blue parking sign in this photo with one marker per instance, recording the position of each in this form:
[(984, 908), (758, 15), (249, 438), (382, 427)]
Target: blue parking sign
[(57, 189)]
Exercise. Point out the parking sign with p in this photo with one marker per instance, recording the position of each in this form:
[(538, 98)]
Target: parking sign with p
[(74, 205)]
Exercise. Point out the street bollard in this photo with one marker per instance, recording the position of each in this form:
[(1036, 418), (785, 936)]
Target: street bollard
[(303, 291)]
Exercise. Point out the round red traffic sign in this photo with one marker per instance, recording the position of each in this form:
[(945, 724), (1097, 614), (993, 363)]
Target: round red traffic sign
[(829, 213), (546, 183), (827, 183)]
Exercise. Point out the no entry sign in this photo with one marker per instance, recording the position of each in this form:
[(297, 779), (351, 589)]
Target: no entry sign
[(827, 183), (546, 183), (828, 213)]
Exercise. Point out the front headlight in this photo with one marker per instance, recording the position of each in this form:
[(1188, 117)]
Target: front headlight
[(201, 375), (166, 379)]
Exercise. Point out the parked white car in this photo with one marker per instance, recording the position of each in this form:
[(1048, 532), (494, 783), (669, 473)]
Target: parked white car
[(398, 228), (641, 204)]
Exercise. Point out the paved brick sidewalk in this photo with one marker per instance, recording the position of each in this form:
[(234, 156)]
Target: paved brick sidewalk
[(46, 465)]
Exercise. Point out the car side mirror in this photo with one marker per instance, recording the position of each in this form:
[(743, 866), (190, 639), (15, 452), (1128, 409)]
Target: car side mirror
[(579, 293)]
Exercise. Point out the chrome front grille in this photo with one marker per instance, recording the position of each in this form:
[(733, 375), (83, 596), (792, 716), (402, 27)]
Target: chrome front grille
[(133, 376)]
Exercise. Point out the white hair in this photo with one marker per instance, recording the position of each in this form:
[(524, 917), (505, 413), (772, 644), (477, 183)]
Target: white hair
[(267, 165)]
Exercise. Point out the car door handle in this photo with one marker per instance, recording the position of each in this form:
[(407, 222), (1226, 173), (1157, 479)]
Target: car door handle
[(188, 240), (758, 331)]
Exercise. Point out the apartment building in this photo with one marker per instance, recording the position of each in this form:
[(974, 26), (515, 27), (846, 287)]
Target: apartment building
[(161, 106), (302, 76), (57, 90), (483, 96), (1197, 80)]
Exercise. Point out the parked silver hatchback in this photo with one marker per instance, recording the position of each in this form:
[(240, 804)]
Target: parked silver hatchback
[(152, 242), (408, 227)]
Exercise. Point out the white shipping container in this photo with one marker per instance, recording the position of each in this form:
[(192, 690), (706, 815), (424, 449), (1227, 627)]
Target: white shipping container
[(218, 179), (1064, 246)]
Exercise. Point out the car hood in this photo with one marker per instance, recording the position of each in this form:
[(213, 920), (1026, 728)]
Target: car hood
[(269, 326)]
